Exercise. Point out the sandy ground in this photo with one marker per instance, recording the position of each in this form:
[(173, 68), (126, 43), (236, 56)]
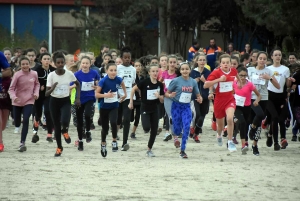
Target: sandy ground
[(210, 172)]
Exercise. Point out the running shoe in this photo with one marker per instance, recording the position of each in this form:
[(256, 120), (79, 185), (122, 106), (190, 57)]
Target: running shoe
[(88, 136), (196, 138), (17, 130), (269, 142), (67, 138), (132, 135), (35, 138), (284, 143), (150, 154), (180, 136), (114, 146), (22, 148), (234, 140), (125, 147), (264, 123), (255, 150), (1, 147), (167, 137), (103, 150), (219, 140), (80, 146), (244, 149), (49, 139), (294, 138), (231, 146), (58, 152), (213, 125), (35, 126), (183, 155), (276, 147), (295, 130), (76, 143), (176, 143)]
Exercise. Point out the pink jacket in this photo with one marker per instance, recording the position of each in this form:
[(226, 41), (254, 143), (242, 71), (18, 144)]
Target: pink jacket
[(24, 86)]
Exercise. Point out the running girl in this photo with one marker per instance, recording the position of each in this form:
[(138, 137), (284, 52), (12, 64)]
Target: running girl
[(151, 95), (88, 80), (181, 90), (23, 91), (107, 92), (58, 87), (224, 103)]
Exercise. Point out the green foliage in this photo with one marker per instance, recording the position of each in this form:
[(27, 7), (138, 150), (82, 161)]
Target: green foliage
[(25, 40)]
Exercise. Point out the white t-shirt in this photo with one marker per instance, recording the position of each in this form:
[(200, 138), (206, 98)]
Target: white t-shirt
[(128, 75), (280, 73), (62, 89), (260, 84)]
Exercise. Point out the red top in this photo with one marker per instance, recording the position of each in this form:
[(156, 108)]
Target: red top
[(223, 88)]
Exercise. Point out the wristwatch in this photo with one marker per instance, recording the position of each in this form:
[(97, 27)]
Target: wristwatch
[(271, 79)]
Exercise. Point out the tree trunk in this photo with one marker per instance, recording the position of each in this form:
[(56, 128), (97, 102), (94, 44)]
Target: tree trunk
[(162, 30), (169, 26)]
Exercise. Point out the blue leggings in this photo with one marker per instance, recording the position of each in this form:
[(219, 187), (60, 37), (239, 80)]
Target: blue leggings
[(26, 112), (181, 119)]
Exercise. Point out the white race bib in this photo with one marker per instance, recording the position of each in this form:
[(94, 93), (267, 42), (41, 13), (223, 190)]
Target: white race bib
[(128, 82), (239, 100), (185, 97), (257, 80), (62, 90), (167, 82), (113, 99), (151, 94), (87, 86), (225, 87)]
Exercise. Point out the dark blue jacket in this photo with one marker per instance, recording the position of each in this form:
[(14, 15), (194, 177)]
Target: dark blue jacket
[(194, 74)]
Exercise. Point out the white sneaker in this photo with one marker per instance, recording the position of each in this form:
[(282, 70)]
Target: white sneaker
[(167, 137), (231, 146), (17, 130)]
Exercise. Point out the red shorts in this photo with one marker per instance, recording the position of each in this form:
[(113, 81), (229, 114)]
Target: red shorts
[(221, 105)]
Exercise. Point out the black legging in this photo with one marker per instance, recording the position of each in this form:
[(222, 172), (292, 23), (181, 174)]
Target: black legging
[(136, 117), (109, 115), (86, 109), (201, 111), (277, 111), (150, 122), (38, 110), (243, 114), (60, 114), (258, 112), (126, 119)]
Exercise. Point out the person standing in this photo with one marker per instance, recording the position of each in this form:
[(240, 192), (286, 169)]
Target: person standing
[(193, 50), (99, 59), (211, 52)]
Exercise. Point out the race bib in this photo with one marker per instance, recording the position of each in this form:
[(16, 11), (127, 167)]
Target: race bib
[(128, 82), (87, 86), (151, 94), (225, 87), (257, 80), (185, 97), (62, 90), (239, 100), (113, 99), (167, 82), (299, 89)]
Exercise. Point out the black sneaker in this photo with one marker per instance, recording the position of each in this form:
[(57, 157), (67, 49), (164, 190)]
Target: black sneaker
[(294, 138), (251, 132), (255, 150), (183, 154), (88, 137), (276, 147), (180, 136), (22, 148), (114, 146), (92, 127), (49, 139), (132, 135), (269, 142), (58, 152), (125, 147), (35, 138), (103, 150), (80, 146)]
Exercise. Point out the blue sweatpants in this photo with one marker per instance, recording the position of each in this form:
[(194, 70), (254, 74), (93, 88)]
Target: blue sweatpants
[(181, 119)]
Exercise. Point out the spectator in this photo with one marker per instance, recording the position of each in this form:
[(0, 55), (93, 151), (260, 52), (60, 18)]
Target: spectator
[(211, 52), (194, 49), (99, 59)]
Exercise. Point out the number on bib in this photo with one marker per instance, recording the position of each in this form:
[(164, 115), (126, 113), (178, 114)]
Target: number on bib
[(113, 99), (239, 100), (225, 87), (151, 94), (185, 97), (87, 86)]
